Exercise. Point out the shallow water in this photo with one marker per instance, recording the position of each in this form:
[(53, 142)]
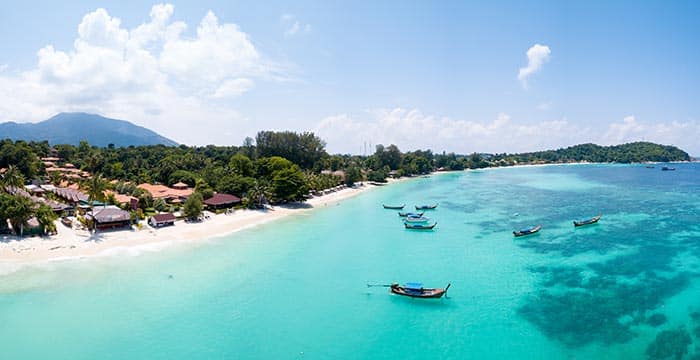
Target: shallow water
[(625, 288)]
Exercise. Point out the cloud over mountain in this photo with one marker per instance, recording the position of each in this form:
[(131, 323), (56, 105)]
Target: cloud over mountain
[(154, 74)]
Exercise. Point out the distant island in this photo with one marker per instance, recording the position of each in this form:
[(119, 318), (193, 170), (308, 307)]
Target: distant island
[(71, 128)]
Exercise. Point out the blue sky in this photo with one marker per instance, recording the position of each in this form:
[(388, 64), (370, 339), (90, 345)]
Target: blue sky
[(440, 75)]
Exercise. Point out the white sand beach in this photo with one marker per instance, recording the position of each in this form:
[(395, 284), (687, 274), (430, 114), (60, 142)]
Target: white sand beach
[(70, 244)]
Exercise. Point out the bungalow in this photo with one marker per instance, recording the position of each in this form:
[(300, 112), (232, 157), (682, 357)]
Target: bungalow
[(160, 220), (71, 195), (172, 195), (222, 201), (110, 217)]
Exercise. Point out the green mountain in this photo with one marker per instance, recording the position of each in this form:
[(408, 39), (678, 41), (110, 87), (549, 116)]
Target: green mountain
[(71, 128)]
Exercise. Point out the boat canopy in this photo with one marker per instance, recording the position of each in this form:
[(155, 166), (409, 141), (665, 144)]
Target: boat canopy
[(413, 286)]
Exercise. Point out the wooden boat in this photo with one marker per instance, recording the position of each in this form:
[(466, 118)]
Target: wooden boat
[(419, 226), (592, 220), (666, 168), (426, 207), (528, 231), (66, 221), (394, 207), (411, 214), (416, 220), (416, 290)]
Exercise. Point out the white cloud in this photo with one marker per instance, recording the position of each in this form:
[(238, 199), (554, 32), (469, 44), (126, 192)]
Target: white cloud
[(682, 134), (411, 129), (233, 88), (537, 55), (293, 26), (153, 74)]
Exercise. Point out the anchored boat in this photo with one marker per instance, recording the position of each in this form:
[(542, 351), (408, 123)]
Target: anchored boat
[(416, 290), (527, 231), (416, 220), (426, 207), (411, 214), (419, 226), (394, 207), (592, 220)]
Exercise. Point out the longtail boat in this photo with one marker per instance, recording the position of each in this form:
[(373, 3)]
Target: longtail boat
[(527, 231), (416, 220), (419, 226), (426, 207), (592, 220), (394, 207), (666, 168), (411, 214), (416, 290)]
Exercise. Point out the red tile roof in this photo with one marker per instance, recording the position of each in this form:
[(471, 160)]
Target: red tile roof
[(222, 199), (163, 218)]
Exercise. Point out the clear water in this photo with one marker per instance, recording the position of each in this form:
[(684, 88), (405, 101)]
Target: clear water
[(296, 288)]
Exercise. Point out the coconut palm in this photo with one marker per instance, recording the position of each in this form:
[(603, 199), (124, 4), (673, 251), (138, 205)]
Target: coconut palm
[(46, 217), (96, 187), (258, 194), (13, 177), (19, 210), (96, 192)]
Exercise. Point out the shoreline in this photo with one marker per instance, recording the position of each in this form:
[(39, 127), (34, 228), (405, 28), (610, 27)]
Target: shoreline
[(73, 245)]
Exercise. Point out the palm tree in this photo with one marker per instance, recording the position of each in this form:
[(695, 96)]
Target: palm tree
[(13, 177), (96, 192), (46, 217), (259, 193), (19, 210), (96, 187)]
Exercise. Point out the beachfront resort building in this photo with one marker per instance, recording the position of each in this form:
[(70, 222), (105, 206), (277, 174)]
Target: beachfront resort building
[(160, 220), (109, 217), (173, 195), (222, 201)]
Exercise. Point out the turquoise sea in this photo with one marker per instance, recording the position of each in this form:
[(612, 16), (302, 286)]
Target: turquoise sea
[(626, 288)]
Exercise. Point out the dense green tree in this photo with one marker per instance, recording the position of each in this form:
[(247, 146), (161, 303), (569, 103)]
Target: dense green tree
[(289, 185), (352, 175), (241, 165), (235, 184), (303, 149), (22, 156), (184, 176), (193, 206)]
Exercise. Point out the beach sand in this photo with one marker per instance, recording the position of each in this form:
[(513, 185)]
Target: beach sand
[(71, 244)]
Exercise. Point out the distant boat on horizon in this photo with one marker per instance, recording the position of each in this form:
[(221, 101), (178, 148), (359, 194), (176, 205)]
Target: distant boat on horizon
[(666, 168)]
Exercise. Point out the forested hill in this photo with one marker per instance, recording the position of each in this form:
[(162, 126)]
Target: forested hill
[(625, 153), (71, 128)]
